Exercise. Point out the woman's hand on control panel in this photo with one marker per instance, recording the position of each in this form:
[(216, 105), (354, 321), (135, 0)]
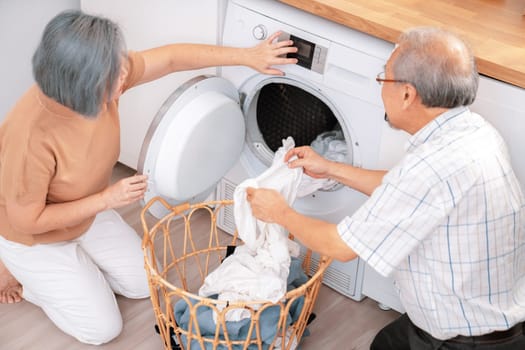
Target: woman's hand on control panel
[(270, 53)]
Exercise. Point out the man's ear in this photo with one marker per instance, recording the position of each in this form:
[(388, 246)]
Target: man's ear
[(409, 95)]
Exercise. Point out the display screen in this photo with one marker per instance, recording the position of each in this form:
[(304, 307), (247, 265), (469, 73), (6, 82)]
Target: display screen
[(305, 51)]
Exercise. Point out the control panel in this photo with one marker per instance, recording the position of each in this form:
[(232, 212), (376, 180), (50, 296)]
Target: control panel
[(309, 54)]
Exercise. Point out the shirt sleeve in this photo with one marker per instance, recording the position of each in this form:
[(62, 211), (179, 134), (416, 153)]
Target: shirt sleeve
[(31, 167), (399, 214)]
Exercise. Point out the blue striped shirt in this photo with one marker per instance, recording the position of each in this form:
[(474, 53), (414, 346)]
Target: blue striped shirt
[(448, 224)]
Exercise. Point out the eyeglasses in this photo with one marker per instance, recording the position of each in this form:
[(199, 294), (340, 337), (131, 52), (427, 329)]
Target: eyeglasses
[(380, 78)]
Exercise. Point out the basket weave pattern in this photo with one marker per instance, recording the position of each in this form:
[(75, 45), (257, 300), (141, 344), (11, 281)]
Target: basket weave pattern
[(180, 251)]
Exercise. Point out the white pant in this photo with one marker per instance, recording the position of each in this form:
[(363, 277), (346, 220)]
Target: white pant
[(74, 281)]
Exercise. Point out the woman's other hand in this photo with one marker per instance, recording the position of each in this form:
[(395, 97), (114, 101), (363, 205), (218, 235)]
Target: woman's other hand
[(125, 191)]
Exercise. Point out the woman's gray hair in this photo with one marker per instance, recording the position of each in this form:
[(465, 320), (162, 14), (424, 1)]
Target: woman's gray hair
[(439, 65), (77, 62)]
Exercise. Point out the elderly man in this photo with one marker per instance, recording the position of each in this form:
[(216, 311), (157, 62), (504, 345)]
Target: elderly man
[(447, 222)]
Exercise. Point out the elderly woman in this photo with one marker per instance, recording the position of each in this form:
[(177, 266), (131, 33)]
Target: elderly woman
[(60, 236)]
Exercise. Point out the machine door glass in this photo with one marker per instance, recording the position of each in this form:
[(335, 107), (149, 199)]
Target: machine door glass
[(284, 109), (195, 138), (277, 107)]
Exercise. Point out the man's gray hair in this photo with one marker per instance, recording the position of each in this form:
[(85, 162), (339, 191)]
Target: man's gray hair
[(77, 62), (439, 65)]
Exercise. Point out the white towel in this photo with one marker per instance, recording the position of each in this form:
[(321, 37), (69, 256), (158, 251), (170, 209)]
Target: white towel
[(258, 270)]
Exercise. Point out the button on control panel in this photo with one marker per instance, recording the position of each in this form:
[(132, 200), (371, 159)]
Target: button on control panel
[(259, 32)]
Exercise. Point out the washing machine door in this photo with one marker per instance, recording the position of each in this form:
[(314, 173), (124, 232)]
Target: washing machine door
[(195, 138)]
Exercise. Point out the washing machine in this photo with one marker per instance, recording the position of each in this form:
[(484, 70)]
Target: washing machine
[(216, 131), (332, 87)]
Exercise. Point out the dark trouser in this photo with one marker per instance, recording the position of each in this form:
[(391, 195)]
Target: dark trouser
[(402, 334)]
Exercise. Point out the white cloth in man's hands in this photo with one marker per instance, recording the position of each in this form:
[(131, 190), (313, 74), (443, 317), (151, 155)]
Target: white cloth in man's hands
[(258, 270)]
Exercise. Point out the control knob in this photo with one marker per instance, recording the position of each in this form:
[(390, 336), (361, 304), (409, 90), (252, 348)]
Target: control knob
[(259, 32)]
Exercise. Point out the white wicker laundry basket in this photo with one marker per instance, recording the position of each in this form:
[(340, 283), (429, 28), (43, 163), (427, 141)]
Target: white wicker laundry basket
[(179, 251)]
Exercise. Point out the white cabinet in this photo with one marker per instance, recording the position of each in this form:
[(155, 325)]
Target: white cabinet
[(148, 24), (381, 289), (503, 105)]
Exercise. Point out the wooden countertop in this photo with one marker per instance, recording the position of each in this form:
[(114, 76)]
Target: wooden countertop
[(495, 29)]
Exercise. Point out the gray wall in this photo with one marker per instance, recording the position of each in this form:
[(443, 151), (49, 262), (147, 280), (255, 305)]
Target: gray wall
[(21, 25)]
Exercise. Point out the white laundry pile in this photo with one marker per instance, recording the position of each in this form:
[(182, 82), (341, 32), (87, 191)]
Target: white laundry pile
[(258, 270), (330, 145)]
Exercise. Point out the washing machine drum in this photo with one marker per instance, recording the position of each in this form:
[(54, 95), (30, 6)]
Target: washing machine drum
[(195, 138)]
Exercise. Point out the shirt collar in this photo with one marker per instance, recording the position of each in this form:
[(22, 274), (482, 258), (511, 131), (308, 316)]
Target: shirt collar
[(435, 127), (54, 106)]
